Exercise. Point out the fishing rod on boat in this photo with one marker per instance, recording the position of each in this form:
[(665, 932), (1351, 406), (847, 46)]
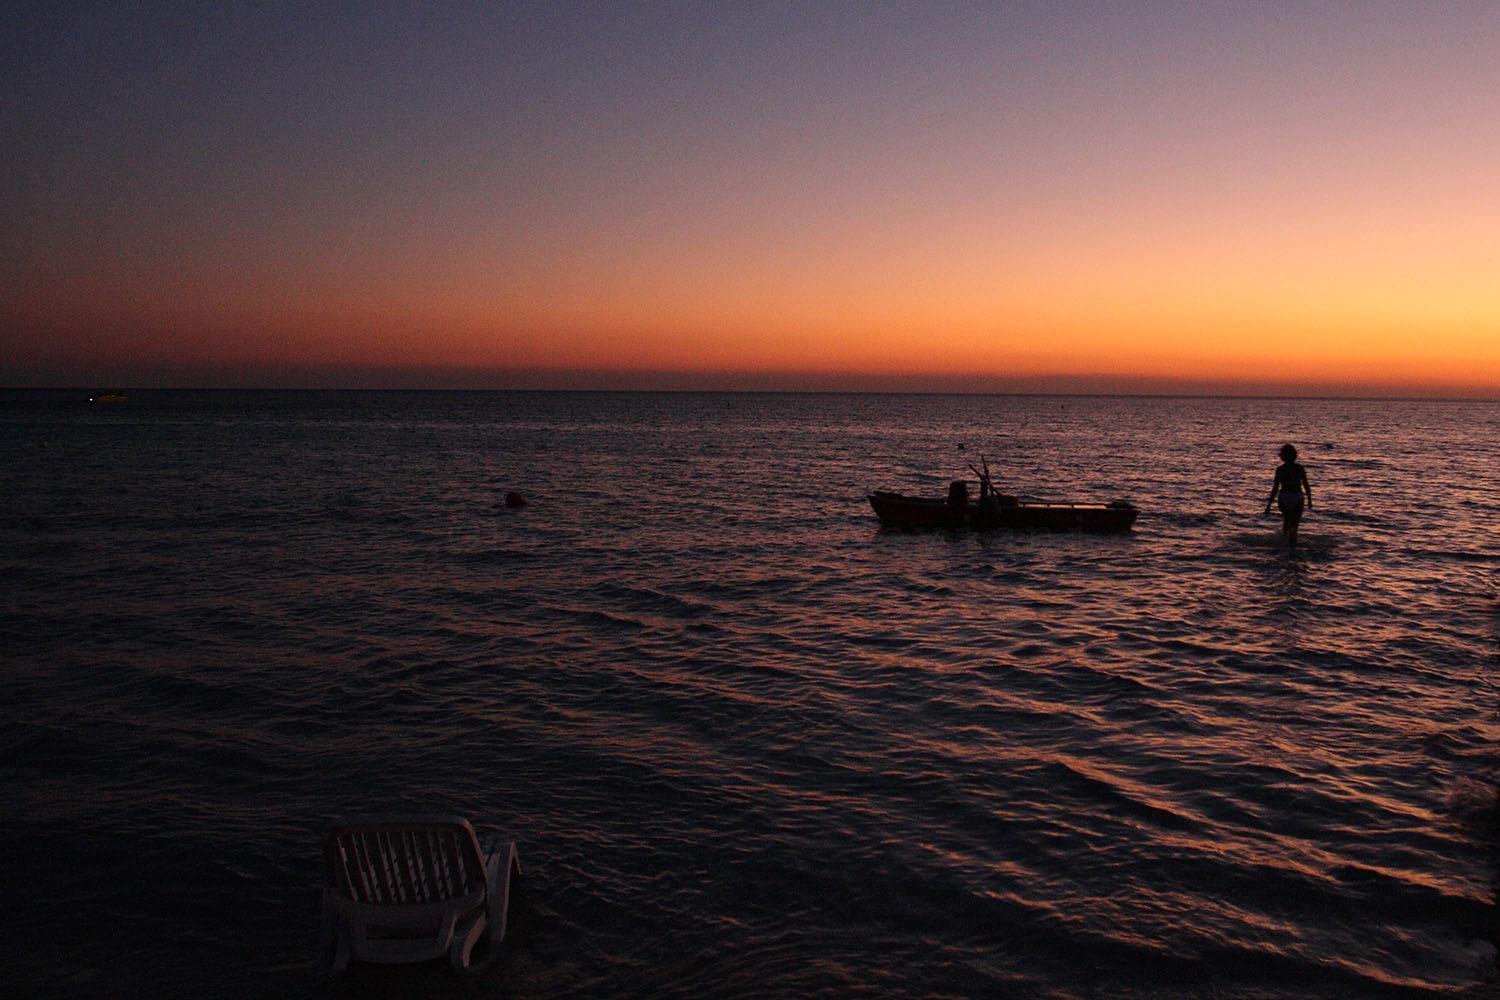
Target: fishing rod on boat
[(985, 485)]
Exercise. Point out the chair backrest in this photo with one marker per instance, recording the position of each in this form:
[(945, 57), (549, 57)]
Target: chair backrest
[(395, 860)]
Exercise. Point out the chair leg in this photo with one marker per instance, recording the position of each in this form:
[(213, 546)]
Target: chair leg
[(333, 952), (333, 944), (506, 865), (461, 951)]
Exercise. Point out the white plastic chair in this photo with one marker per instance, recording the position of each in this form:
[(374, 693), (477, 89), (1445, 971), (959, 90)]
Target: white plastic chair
[(412, 889)]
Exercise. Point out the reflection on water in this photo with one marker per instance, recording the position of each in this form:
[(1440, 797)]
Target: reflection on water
[(750, 743), (1286, 577)]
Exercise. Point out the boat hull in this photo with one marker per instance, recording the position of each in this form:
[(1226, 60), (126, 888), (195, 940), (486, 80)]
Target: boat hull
[(899, 511)]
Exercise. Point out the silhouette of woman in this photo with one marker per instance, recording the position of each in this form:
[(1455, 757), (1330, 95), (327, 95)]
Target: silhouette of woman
[(1287, 489)]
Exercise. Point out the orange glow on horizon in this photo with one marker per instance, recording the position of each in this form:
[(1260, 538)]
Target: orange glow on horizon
[(988, 209), (1313, 344), (1166, 296)]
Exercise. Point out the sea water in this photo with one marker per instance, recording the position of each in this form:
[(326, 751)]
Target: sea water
[(750, 743)]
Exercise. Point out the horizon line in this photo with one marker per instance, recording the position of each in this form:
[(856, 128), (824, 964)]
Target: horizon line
[(84, 388), (253, 375)]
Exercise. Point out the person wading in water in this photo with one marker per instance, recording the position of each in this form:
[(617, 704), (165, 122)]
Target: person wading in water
[(1291, 482)]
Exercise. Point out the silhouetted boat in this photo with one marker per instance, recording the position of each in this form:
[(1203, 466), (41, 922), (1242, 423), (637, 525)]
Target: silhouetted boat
[(107, 397), (1003, 511)]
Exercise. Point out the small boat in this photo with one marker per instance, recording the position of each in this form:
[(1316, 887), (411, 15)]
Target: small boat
[(107, 397), (1000, 510)]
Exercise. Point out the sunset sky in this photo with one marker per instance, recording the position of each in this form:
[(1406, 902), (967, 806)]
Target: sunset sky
[(1109, 197)]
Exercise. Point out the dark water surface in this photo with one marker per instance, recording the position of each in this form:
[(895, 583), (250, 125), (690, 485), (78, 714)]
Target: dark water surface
[(750, 744)]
